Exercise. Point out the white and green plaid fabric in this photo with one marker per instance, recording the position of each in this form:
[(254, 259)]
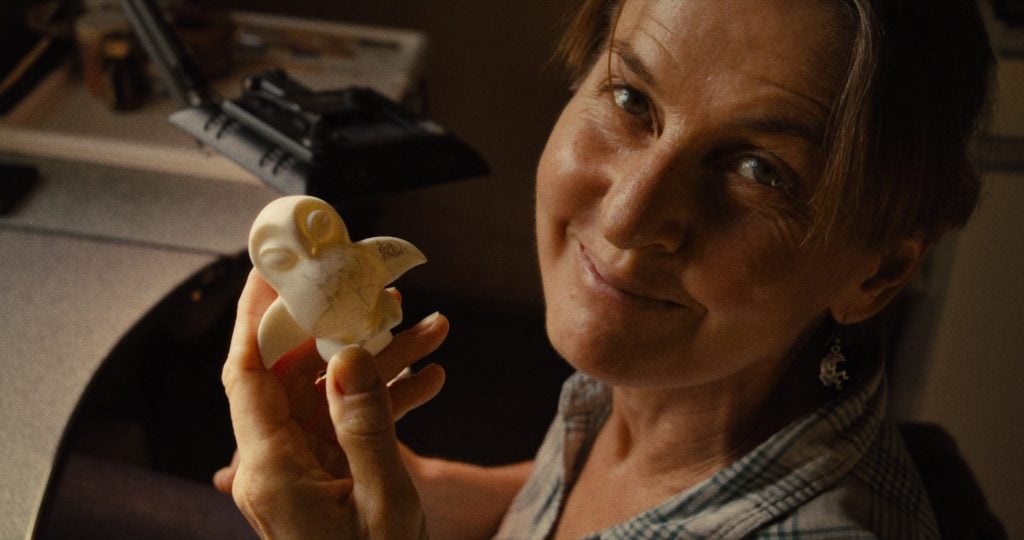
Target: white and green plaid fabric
[(839, 472)]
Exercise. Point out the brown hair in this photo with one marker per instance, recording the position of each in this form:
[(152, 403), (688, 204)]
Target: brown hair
[(897, 143)]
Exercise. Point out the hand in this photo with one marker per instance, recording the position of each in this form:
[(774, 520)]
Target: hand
[(287, 478)]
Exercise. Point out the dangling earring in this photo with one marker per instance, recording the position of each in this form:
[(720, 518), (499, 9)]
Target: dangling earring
[(828, 372)]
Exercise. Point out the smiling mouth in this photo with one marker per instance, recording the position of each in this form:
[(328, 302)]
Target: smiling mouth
[(621, 289)]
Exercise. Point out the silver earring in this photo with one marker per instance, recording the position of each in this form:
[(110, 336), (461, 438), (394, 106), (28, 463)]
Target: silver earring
[(829, 374)]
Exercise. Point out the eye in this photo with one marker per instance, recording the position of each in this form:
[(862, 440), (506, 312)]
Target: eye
[(632, 101), (277, 259), (760, 171), (320, 226)]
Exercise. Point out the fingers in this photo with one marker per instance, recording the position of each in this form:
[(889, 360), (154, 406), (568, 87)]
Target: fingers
[(258, 402), (298, 371), (256, 297), (412, 345), (361, 411), (225, 477), (411, 392)]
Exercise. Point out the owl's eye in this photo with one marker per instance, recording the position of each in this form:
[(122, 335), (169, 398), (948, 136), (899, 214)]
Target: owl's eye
[(277, 259), (320, 226)]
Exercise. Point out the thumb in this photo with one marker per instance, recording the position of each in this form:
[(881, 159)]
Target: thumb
[(225, 477), (361, 412)]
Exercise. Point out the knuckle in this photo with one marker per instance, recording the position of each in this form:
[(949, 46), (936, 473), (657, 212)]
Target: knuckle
[(228, 378), (251, 493), (376, 440), (366, 421)]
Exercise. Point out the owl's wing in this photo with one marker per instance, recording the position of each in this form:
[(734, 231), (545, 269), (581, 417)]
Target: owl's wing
[(396, 254), (279, 333)]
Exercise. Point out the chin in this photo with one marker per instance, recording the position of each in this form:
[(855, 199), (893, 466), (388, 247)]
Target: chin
[(608, 354)]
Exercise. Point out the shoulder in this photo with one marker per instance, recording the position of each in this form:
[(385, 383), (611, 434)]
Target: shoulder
[(881, 496), (582, 408)]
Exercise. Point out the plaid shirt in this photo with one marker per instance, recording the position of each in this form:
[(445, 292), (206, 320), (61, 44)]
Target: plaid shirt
[(838, 472)]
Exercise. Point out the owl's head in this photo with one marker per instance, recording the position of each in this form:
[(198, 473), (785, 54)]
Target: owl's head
[(291, 230)]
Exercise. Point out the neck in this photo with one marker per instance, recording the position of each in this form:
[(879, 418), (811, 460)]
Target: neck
[(684, 435), (702, 430)]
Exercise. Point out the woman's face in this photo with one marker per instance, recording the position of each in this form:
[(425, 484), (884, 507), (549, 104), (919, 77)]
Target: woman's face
[(671, 196)]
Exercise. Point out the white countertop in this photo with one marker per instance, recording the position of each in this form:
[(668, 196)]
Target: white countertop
[(67, 302), (91, 251)]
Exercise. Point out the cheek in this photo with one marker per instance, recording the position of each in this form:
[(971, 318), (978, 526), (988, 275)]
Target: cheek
[(578, 145), (570, 182), (547, 206), (752, 278)]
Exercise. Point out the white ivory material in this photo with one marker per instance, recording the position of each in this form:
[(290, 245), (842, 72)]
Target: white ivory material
[(329, 287)]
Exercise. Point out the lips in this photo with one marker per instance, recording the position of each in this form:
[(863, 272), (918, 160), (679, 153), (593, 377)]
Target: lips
[(629, 289)]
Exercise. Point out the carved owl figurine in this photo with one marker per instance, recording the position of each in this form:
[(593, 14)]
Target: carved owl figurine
[(328, 287)]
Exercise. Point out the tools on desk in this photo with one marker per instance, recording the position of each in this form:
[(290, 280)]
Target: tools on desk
[(335, 144), (113, 61)]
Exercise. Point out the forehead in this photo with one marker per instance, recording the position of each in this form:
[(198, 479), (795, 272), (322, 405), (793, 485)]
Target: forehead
[(785, 46)]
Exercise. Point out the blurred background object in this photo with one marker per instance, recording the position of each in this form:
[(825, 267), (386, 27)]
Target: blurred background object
[(1007, 27), (33, 39)]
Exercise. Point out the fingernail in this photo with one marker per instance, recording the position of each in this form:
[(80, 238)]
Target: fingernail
[(356, 373), (432, 318)]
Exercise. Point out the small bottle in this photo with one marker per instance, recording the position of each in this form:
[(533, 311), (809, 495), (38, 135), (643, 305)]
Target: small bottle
[(124, 74)]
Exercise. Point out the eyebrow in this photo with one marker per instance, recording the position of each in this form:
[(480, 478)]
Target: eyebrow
[(770, 124), (624, 50), (784, 125)]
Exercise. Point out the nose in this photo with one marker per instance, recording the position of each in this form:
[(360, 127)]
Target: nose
[(650, 203)]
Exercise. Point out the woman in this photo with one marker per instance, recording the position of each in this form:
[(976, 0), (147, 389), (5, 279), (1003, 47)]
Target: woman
[(732, 189)]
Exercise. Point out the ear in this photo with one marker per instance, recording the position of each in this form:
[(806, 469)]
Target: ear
[(892, 270)]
